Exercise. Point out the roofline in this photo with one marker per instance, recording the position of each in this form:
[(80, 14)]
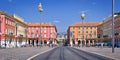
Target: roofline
[(3, 13)]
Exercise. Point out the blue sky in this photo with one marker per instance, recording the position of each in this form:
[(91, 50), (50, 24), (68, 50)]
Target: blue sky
[(62, 13)]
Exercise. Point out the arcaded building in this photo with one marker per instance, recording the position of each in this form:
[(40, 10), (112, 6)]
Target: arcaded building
[(47, 33), (12, 30), (105, 28), (15, 32), (74, 32)]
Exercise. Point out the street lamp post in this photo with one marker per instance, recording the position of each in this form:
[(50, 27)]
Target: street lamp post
[(41, 10), (0, 32), (26, 35), (50, 35), (113, 39), (82, 17), (16, 34)]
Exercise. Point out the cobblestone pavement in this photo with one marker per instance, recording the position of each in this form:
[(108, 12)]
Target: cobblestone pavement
[(20, 53), (103, 51)]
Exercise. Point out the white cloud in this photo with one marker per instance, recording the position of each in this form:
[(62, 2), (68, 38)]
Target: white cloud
[(56, 21)]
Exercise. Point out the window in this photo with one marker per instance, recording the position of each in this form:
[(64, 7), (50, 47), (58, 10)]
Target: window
[(29, 30), (10, 30), (36, 35), (36, 28), (73, 36), (94, 32), (51, 30), (73, 31), (73, 27), (44, 31), (94, 36), (6, 21), (28, 35), (44, 28), (36, 31), (86, 36), (78, 31), (83, 36), (91, 27), (12, 23), (90, 36), (86, 31), (60, 36), (78, 35), (41, 31), (78, 27), (45, 35), (90, 31), (51, 35), (32, 36), (94, 27), (32, 30), (83, 31), (86, 27)]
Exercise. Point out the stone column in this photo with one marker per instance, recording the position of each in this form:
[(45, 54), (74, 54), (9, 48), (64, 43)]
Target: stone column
[(88, 42), (85, 42), (93, 42)]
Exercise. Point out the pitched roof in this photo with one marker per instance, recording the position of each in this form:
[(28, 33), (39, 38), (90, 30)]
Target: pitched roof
[(86, 24), (43, 24), (38, 24)]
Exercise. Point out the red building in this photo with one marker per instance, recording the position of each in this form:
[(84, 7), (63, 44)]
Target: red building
[(12, 30), (48, 33)]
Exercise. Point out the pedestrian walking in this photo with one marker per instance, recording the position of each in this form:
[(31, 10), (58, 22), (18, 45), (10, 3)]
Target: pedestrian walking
[(41, 43), (45, 43), (73, 43), (50, 44), (101, 45), (78, 43)]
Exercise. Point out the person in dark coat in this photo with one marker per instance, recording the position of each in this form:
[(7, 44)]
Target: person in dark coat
[(78, 43)]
